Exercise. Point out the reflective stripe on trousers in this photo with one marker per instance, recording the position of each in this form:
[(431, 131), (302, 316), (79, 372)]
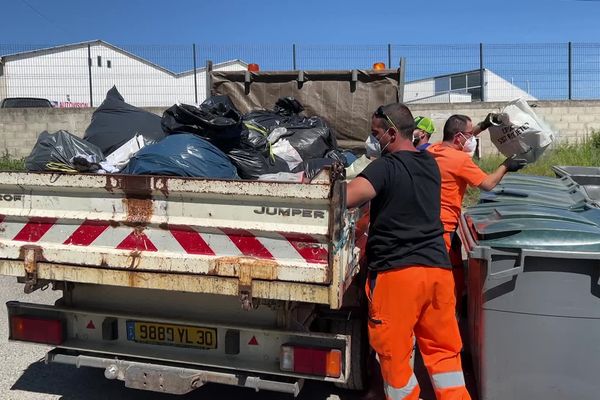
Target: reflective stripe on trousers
[(447, 380), (403, 392)]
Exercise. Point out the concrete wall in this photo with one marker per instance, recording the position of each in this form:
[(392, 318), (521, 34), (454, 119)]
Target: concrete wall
[(572, 120), (20, 127)]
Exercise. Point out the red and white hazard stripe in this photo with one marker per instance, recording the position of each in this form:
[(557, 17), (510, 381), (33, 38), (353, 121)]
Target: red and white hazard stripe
[(186, 239)]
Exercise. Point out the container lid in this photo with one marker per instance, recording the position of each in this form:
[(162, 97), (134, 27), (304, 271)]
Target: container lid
[(535, 227), (533, 180), (535, 195)]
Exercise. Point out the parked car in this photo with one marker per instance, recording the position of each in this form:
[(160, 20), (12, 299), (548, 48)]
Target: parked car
[(25, 102)]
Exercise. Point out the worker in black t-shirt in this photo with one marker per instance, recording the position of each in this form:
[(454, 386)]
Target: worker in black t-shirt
[(410, 286)]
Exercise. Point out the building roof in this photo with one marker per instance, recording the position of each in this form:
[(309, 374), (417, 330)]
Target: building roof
[(73, 46)]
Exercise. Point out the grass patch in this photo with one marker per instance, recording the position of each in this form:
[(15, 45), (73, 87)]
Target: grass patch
[(11, 164), (586, 154)]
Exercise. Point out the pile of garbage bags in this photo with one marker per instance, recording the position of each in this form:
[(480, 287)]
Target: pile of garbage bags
[(212, 140)]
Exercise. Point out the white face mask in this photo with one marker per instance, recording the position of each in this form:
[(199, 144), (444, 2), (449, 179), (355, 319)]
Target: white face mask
[(373, 146), (470, 145)]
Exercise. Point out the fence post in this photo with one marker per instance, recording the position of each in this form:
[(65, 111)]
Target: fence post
[(481, 72), (195, 78), (389, 56), (401, 79), (90, 74), (294, 56), (209, 68), (570, 71)]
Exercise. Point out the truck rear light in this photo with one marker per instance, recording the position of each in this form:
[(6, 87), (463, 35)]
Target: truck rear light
[(311, 361), (35, 329)]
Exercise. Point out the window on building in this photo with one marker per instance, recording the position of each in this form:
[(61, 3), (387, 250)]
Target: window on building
[(474, 79), (442, 84), (99, 61), (108, 64), (458, 82)]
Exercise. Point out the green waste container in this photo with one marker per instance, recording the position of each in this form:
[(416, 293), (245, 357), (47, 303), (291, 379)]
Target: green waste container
[(533, 283)]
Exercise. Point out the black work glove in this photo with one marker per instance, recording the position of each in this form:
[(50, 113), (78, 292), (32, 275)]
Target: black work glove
[(487, 122), (514, 164)]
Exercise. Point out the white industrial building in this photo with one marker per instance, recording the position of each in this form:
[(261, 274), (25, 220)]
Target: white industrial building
[(61, 74), (463, 87)]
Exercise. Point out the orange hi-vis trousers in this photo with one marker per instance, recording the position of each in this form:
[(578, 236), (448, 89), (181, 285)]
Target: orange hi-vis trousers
[(454, 248), (420, 300)]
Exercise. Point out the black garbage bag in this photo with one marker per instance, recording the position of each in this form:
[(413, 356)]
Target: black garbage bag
[(264, 120), (311, 137), (115, 122), (251, 164), (221, 106), (312, 167), (288, 106), (216, 120), (182, 155), (253, 139), (61, 147)]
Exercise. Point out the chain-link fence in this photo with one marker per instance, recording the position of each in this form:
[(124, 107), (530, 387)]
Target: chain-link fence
[(79, 75)]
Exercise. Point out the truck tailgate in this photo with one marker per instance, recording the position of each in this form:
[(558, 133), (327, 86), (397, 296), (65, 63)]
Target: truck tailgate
[(271, 240)]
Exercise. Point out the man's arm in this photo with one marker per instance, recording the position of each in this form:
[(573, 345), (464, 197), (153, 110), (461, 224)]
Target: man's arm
[(358, 191), (492, 179), (511, 164)]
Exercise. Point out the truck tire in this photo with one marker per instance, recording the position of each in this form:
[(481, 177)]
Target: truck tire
[(359, 351)]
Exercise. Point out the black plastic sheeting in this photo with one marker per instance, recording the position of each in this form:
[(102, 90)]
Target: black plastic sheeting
[(182, 155), (59, 147), (252, 157), (216, 120), (311, 137), (115, 122)]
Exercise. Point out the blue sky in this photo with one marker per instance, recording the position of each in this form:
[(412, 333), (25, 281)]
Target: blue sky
[(334, 34), (302, 22)]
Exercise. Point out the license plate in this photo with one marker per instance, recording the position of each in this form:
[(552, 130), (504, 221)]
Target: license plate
[(173, 335)]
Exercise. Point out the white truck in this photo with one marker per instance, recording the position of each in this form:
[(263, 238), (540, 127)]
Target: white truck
[(169, 283)]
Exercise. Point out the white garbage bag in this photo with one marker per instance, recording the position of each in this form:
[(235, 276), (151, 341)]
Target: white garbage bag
[(520, 132), (118, 159)]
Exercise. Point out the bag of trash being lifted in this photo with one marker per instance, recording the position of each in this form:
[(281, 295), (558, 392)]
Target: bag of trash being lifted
[(518, 131)]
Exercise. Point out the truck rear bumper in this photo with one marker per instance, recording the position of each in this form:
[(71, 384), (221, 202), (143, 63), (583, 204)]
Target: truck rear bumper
[(169, 378), (241, 355)]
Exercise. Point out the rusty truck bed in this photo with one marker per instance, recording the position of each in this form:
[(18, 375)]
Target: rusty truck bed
[(252, 239)]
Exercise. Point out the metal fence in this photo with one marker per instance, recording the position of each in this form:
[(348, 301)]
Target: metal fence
[(147, 75)]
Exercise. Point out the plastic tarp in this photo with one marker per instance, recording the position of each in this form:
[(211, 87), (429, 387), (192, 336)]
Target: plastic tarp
[(345, 99), (116, 122), (60, 147), (182, 155)]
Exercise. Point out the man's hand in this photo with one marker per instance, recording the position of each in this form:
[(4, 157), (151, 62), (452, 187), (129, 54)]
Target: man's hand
[(514, 164), (487, 122)]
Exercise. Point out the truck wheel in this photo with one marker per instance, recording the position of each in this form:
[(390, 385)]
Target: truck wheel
[(359, 351)]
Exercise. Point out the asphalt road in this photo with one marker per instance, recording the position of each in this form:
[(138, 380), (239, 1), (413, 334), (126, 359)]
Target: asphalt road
[(24, 376)]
